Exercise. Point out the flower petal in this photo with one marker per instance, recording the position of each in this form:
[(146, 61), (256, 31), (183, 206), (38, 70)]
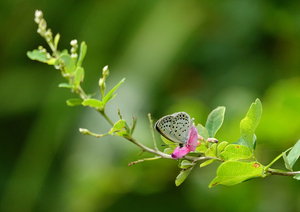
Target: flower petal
[(180, 152), (193, 139)]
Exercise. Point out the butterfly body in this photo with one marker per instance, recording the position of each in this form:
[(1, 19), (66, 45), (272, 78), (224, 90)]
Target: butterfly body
[(175, 127)]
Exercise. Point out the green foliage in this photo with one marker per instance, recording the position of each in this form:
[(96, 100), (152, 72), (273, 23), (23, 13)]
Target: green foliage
[(215, 121), (235, 152), (94, 103), (74, 102), (83, 49), (250, 122), (202, 131), (38, 55), (111, 94), (68, 63), (182, 176), (233, 167), (233, 172), (293, 155), (207, 162), (120, 128)]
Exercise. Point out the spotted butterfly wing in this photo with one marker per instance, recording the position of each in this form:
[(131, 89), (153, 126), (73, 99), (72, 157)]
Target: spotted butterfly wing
[(181, 126), (175, 127)]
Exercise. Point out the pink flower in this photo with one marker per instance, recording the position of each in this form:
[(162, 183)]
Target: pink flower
[(189, 146)]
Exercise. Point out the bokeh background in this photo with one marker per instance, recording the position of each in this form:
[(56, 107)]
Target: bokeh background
[(176, 56)]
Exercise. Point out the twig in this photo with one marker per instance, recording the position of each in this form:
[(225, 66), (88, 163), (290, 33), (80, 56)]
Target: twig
[(152, 131), (282, 173)]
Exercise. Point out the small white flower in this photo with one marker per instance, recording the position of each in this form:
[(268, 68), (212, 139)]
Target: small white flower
[(73, 42)]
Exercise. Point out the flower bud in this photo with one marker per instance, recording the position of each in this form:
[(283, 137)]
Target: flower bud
[(212, 140), (74, 43), (105, 71), (43, 25), (102, 83), (74, 55), (38, 16)]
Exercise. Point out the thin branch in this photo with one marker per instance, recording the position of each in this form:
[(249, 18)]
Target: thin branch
[(282, 173), (152, 131)]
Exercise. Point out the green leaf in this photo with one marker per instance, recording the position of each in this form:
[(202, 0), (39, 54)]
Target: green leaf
[(56, 40), (83, 49), (94, 103), (66, 85), (74, 102), (68, 62), (235, 152), (215, 121), (294, 154), (207, 162), (169, 150), (202, 131), (37, 55), (250, 122), (171, 144), (233, 172), (241, 141), (186, 164), (221, 147), (109, 95), (120, 128), (201, 148), (297, 177), (52, 61), (78, 77), (286, 162), (211, 151), (182, 176)]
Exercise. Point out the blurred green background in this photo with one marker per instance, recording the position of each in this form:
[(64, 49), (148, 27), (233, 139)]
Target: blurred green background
[(176, 56)]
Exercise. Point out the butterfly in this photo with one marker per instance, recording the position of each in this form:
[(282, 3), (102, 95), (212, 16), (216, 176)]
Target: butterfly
[(175, 127)]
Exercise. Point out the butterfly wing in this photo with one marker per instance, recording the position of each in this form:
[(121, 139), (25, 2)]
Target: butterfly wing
[(181, 126), (163, 126)]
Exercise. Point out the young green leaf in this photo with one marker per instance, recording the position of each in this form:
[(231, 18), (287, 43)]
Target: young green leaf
[(95, 103), (297, 177), (233, 172), (221, 147), (74, 102), (241, 141), (109, 95), (250, 122), (69, 63), (83, 49), (294, 154), (185, 164), (120, 128), (79, 76), (201, 148), (37, 55), (235, 152), (211, 151), (66, 85), (182, 176), (286, 162), (171, 144), (169, 150), (207, 162), (215, 121), (56, 40), (202, 131)]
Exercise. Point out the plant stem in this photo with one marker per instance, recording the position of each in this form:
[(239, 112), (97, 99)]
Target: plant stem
[(152, 131), (282, 173), (105, 116), (279, 156)]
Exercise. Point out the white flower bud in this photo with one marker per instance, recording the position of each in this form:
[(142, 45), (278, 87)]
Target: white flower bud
[(73, 42)]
